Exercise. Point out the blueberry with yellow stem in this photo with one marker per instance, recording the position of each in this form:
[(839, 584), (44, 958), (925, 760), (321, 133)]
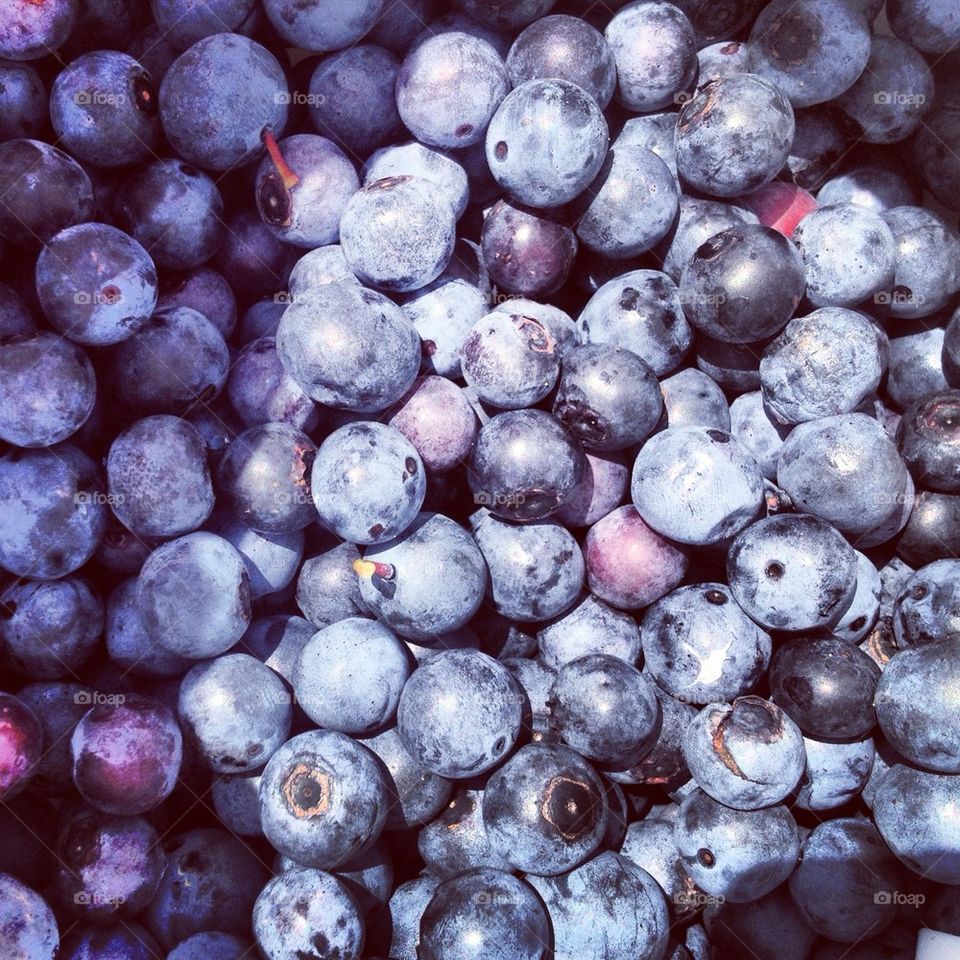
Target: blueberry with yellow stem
[(428, 582), (302, 188)]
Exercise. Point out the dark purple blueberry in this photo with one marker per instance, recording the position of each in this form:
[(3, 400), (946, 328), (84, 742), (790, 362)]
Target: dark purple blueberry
[(322, 24), (21, 745), (31, 30), (126, 754), (122, 941), (629, 565), (183, 23), (607, 396), (206, 291), (525, 252), (601, 489), (928, 438), (525, 465), (826, 685)]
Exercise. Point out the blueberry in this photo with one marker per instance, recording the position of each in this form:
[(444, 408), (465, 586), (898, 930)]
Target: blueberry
[(323, 24), (302, 188), (894, 91), (835, 772), (692, 399), (628, 564), (525, 464), (459, 713), (108, 867), (845, 874), (934, 144), (368, 482), (29, 32), (536, 680), (826, 685), (406, 907), (323, 799), (416, 795), (126, 754), (44, 191), (926, 273), (511, 17), (558, 323), (236, 801), (818, 146), (397, 233), (123, 941), (699, 220), (47, 389), (349, 676), (771, 926), (348, 347), (591, 924), (747, 755), (352, 99), (640, 311), (207, 291), (53, 511), (96, 285), (509, 360), (734, 135), (718, 502), (457, 839), (449, 87), (271, 559), (813, 53), (739, 855), (554, 156), (436, 417), (413, 159), (916, 368), (526, 252), (564, 48), (933, 27), (211, 946), (932, 530), (822, 365), (607, 396), (928, 438), (914, 700), (21, 745), (256, 260), (849, 254), (235, 711), (950, 353), (103, 107), (591, 627), (536, 569), (426, 583), (158, 479), (211, 882), (600, 491), (484, 911), (743, 284), (327, 586), (701, 647), (911, 809), (605, 709), (792, 572), (877, 188), (277, 641), (866, 492), (861, 616), (655, 49), (925, 609), (175, 211), (194, 595), (49, 630), (217, 97), (16, 319)]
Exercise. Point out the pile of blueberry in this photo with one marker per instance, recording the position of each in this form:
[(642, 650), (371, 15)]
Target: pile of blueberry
[(479, 481)]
